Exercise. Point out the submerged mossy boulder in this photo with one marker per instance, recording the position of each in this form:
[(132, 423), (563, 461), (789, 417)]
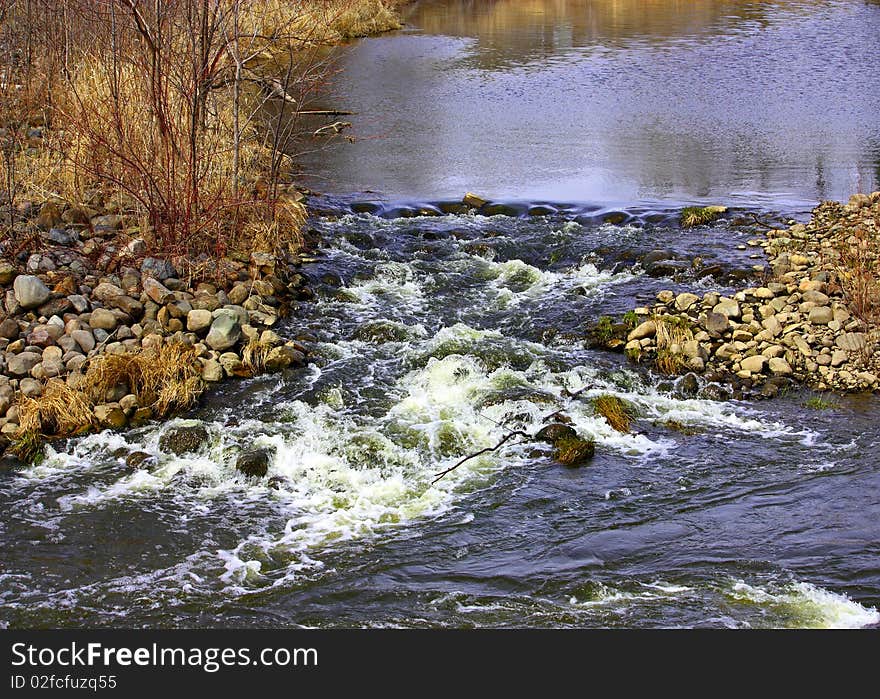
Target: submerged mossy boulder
[(574, 451), (617, 412), (379, 332), (138, 460), (569, 448)]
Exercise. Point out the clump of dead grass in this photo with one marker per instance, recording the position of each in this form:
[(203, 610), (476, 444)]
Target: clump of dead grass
[(858, 272), (672, 333), (700, 215), (167, 379), (60, 411), (254, 355), (321, 21)]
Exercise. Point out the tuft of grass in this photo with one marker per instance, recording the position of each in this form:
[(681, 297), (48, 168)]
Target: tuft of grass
[(677, 426), (672, 333), (167, 379), (630, 319), (254, 354), (634, 354), (700, 215), (28, 447), (617, 412), (604, 329), (858, 272), (669, 363), (819, 403), (60, 411)]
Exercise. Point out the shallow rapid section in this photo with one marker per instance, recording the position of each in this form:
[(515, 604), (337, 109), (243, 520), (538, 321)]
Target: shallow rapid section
[(434, 338)]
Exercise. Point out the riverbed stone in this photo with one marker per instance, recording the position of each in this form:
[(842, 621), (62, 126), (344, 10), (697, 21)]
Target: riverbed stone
[(84, 339), (212, 371), (727, 307), (779, 366), (22, 363), (852, 342), (7, 272), (198, 321), (232, 364), (110, 416), (9, 329), (31, 388), (140, 460), (225, 330), (821, 315), (156, 291), (716, 324), (105, 291), (685, 300), (643, 330), (102, 319), (754, 364), (30, 291), (282, 357)]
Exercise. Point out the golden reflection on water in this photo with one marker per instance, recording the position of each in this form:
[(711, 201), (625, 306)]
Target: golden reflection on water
[(580, 22)]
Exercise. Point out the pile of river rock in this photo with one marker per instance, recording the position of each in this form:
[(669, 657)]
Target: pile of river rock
[(796, 326), (92, 289)]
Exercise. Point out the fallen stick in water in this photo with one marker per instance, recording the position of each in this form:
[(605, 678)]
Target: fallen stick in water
[(500, 444)]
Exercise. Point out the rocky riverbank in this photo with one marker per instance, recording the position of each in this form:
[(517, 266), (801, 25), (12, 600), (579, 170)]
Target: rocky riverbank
[(81, 288), (812, 321)]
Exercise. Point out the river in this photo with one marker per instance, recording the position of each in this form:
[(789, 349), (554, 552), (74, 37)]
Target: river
[(434, 336)]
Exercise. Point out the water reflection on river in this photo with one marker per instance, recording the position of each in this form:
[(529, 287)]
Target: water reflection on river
[(616, 101)]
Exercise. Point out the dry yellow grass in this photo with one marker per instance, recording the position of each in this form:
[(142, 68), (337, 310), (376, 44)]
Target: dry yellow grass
[(672, 333), (60, 411), (167, 379), (254, 355), (320, 21)]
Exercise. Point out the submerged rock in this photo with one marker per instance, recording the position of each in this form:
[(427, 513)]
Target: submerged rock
[(255, 462), (474, 200), (140, 460), (554, 432), (183, 440)]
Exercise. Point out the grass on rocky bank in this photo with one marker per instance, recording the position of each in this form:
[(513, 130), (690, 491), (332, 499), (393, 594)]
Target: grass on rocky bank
[(165, 380)]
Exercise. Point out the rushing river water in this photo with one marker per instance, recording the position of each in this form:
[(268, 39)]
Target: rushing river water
[(447, 332)]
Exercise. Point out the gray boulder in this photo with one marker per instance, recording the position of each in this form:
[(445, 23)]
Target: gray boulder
[(30, 292), (225, 331)]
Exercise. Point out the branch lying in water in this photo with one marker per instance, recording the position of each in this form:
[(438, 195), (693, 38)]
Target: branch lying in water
[(500, 444)]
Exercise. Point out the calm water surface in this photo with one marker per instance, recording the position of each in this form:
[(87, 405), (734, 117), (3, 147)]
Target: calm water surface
[(614, 101)]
